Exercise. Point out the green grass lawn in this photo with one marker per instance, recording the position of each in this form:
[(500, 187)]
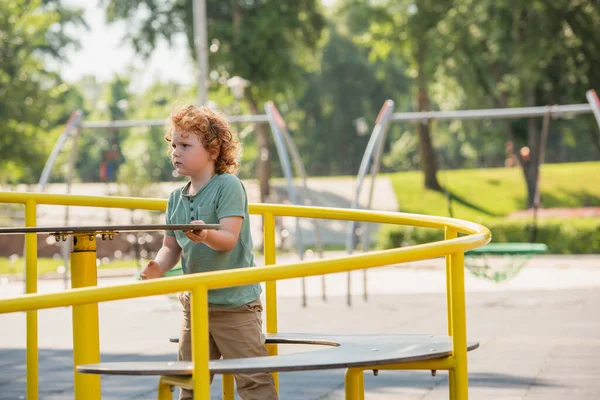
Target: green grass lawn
[(49, 265), (488, 193)]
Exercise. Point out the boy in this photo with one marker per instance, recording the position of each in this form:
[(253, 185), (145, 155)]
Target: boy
[(203, 148)]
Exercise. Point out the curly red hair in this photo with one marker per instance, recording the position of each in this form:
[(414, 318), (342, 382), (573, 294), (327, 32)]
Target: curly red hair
[(213, 131)]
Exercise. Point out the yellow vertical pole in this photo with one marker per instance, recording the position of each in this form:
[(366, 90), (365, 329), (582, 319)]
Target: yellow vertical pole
[(86, 338), (271, 287), (361, 384), (200, 351), (450, 233), (31, 287), (227, 387), (352, 383), (459, 328), (164, 390)]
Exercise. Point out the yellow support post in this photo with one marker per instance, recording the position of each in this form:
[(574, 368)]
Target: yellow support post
[(31, 287), (164, 390), (271, 287), (227, 387), (352, 383), (166, 382), (200, 353), (86, 341), (450, 233), (361, 385), (459, 328)]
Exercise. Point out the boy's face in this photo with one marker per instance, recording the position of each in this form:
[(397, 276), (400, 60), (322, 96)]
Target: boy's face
[(189, 157)]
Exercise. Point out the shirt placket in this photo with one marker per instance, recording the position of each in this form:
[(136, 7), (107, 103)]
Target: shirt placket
[(192, 216)]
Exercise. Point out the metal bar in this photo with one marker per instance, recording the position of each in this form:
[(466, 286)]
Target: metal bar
[(259, 118), (107, 228), (243, 276), (300, 170), (86, 337), (450, 233), (227, 387), (73, 121), (439, 364), (32, 350), (459, 328), (200, 355), (383, 119), (425, 221), (271, 286), (277, 125), (186, 382), (372, 152), (66, 245), (201, 46), (495, 113), (592, 98), (361, 385), (352, 383), (164, 390)]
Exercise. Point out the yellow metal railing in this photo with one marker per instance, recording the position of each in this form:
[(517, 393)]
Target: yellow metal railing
[(453, 248)]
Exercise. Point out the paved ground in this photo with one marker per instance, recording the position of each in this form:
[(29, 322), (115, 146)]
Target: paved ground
[(539, 333)]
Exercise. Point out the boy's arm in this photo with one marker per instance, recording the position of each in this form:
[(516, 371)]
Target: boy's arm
[(223, 239), (169, 254), (166, 258)]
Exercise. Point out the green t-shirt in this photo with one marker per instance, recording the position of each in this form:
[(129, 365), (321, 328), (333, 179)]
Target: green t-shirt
[(223, 196)]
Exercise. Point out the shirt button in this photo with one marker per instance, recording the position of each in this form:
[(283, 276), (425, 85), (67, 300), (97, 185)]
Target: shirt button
[(191, 209), (192, 218)]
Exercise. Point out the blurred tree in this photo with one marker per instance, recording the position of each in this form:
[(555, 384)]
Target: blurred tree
[(264, 42), (516, 54), (408, 28), (344, 86), (100, 152), (34, 101), (145, 149)]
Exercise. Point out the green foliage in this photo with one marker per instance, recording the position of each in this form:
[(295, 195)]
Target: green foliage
[(344, 87), (33, 100), (261, 41), (563, 236), (488, 196)]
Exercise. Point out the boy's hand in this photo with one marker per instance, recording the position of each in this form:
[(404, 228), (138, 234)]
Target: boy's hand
[(151, 271), (198, 236)]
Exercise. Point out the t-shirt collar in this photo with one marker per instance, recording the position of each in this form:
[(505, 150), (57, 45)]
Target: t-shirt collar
[(184, 189)]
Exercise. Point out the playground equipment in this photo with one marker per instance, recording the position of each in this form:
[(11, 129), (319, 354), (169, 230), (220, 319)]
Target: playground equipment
[(372, 159), (84, 299), (355, 352), (286, 150), (515, 256), (283, 142)]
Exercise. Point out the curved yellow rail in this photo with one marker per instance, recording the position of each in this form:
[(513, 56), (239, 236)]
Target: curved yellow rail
[(453, 248)]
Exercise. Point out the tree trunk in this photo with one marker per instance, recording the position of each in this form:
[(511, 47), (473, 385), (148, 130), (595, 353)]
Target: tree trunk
[(263, 170), (427, 154), (531, 165)]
